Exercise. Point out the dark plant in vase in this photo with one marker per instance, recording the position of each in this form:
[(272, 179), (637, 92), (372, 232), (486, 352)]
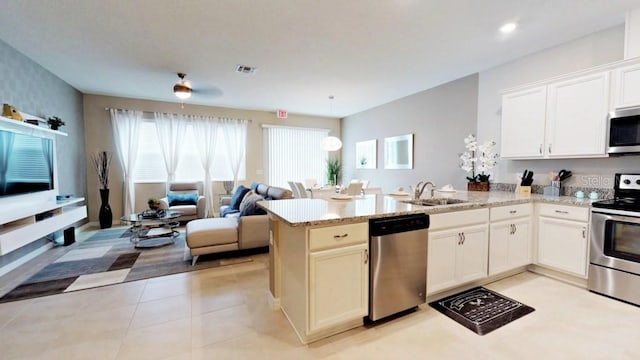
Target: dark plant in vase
[(55, 122), (101, 162)]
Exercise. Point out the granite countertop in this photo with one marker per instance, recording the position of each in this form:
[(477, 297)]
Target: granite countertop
[(309, 212)]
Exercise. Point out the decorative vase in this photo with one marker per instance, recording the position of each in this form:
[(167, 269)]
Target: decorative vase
[(477, 186), (53, 127), (105, 216)]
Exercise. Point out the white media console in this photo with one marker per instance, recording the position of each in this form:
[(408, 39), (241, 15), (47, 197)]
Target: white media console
[(29, 217)]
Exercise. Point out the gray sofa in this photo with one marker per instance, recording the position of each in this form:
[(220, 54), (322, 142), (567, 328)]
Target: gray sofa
[(232, 232)]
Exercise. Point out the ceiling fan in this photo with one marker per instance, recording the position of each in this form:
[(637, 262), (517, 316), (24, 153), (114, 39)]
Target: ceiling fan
[(183, 89)]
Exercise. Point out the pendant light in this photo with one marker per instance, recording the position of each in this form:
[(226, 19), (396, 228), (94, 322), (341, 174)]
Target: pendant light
[(331, 143)]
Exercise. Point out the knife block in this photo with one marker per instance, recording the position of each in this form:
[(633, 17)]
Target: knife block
[(523, 190)]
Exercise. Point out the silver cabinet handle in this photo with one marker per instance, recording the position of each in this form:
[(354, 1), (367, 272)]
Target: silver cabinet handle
[(549, 148), (366, 256), (511, 229), (540, 150), (562, 212), (515, 228), (463, 238), (340, 236), (459, 238), (584, 233), (513, 211)]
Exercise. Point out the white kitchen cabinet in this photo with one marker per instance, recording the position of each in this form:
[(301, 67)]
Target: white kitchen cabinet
[(339, 286), (565, 118), (626, 86), (509, 245), (457, 250), (576, 116), (563, 238), (523, 123)]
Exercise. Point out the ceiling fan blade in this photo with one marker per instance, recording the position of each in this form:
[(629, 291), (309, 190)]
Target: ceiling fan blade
[(208, 92)]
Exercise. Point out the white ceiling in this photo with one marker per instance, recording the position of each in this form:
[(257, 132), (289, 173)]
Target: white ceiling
[(365, 52)]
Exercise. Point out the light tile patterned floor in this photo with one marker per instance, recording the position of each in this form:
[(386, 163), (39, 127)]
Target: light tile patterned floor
[(222, 313)]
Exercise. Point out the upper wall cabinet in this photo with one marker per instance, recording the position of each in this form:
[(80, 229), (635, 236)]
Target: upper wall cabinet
[(577, 116), (561, 119), (626, 91), (523, 120)]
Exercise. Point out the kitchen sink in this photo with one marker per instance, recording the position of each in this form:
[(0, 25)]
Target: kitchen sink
[(434, 201)]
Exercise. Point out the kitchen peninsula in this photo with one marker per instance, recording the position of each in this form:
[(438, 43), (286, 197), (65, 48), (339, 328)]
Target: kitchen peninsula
[(320, 250)]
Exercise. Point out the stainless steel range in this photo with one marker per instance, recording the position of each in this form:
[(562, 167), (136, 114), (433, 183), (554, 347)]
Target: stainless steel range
[(614, 269)]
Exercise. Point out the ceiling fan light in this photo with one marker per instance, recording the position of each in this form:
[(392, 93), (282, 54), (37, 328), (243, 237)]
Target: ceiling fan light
[(182, 91)]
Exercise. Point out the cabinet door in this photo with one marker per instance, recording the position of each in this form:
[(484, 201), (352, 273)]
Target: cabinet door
[(519, 253), (472, 254), (562, 244), (500, 234), (627, 86), (523, 123), (338, 286), (577, 116), (441, 259)]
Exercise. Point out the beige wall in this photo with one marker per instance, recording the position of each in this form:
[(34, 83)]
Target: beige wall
[(98, 136)]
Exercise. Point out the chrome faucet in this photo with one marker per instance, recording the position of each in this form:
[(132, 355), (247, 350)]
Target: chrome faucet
[(418, 191)]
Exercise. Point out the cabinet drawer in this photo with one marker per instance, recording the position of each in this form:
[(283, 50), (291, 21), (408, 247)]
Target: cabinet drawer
[(564, 212), (458, 218), (335, 236), (509, 212)]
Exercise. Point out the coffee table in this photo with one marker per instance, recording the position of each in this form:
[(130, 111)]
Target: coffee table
[(160, 230)]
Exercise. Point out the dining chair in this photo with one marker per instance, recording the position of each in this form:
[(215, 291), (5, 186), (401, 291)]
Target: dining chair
[(302, 191), (294, 189), (354, 189)]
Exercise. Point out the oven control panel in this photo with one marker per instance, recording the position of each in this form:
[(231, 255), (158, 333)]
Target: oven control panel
[(629, 181)]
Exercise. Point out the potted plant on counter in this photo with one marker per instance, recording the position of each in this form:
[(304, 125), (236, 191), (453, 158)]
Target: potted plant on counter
[(486, 160)]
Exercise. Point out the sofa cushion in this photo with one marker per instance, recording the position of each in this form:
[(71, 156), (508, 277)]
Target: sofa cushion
[(209, 232), (249, 206), (180, 198), (278, 193), (237, 197), (186, 210)]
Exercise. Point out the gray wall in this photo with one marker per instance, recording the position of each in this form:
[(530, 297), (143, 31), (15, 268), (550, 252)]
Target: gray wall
[(595, 49), (34, 90), (439, 118)]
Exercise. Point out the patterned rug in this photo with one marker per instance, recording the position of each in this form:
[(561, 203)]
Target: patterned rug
[(108, 257), (481, 310)]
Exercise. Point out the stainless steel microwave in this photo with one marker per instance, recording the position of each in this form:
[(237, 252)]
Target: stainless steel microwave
[(624, 131)]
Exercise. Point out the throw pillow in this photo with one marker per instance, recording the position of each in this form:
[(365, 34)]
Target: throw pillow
[(175, 198), (228, 210), (246, 196), (249, 206), (237, 197)]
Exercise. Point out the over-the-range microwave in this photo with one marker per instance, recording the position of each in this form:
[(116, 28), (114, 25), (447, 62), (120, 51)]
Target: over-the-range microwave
[(624, 131)]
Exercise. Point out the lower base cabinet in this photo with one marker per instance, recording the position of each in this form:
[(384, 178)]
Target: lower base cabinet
[(458, 254), (510, 245), (563, 238), (338, 290)]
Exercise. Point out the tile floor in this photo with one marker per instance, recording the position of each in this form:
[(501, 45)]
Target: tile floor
[(222, 313)]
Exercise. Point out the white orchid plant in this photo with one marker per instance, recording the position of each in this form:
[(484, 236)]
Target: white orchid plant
[(471, 162)]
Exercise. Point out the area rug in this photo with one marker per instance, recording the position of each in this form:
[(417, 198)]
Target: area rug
[(108, 257), (481, 310)]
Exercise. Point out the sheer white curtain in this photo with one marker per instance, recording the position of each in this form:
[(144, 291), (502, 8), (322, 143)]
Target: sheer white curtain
[(126, 130), (171, 129), (207, 130), (234, 132)]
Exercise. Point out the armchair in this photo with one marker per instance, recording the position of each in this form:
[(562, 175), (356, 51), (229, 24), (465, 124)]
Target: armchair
[(189, 212)]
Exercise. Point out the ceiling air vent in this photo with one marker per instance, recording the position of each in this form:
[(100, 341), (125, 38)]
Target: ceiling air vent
[(243, 69)]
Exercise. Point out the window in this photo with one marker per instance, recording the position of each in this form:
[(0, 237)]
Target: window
[(150, 163), (294, 154)]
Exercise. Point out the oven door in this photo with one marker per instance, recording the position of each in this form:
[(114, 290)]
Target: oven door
[(615, 239)]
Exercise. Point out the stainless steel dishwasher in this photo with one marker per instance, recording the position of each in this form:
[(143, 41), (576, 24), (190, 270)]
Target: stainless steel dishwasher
[(398, 266)]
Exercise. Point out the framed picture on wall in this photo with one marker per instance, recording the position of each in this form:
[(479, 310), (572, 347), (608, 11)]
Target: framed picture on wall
[(366, 154), (398, 152)]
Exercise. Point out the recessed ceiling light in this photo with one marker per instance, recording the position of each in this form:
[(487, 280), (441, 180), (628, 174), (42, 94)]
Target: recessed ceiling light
[(508, 27)]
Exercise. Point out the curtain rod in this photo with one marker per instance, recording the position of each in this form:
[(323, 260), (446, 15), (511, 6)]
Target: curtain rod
[(166, 113)]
